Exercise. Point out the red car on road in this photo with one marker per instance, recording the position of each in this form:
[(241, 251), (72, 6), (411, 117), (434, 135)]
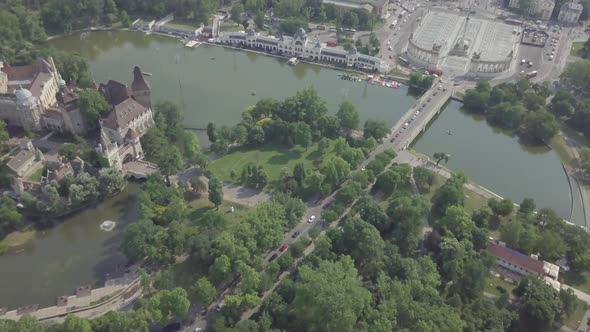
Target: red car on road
[(283, 247)]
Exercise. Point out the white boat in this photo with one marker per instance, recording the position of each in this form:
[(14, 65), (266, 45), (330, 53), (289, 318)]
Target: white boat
[(293, 61), (146, 73)]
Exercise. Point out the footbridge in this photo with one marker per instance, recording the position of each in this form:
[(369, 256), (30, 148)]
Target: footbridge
[(140, 169)]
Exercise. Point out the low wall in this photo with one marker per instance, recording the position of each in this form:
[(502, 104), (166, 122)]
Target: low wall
[(85, 298)]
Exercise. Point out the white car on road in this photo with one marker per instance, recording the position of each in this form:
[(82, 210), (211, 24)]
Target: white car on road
[(311, 219)]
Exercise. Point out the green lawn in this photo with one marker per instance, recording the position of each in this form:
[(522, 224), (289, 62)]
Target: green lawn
[(36, 176), (473, 201), (577, 280), (16, 239), (576, 47), (273, 158), (494, 282), (199, 206), (574, 320)]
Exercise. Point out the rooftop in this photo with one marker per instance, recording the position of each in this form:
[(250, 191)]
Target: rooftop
[(515, 257), (123, 114), (21, 158)]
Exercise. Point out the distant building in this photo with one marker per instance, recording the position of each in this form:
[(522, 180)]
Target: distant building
[(300, 46), (570, 12), (377, 7), (541, 9), (33, 97)]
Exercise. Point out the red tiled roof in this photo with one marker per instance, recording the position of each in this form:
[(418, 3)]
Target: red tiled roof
[(122, 114), (514, 257), (114, 92), (20, 73)]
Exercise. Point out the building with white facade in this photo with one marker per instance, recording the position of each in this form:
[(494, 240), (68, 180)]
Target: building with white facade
[(521, 264), (541, 9), (377, 7), (300, 46), (570, 12)]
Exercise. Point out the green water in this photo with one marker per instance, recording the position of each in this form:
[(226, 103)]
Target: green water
[(75, 252), (214, 84), (499, 162)]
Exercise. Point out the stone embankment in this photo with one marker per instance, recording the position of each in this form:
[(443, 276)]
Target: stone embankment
[(87, 302)]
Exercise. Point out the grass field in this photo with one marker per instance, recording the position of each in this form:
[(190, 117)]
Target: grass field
[(201, 205), (273, 158), (36, 176), (494, 282), (576, 47)]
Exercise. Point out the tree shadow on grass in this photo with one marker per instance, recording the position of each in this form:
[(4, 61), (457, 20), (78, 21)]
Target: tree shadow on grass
[(283, 157), (314, 155), (574, 278)]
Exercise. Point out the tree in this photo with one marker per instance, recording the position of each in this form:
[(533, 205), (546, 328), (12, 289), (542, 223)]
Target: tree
[(569, 300), (325, 305), (440, 156), (215, 191), (424, 178), (577, 75), (10, 218), (348, 115), (68, 150), (540, 304), (376, 129), (259, 19), (169, 303), (527, 206), (212, 132), (323, 145), (170, 162), (457, 221), (451, 193), (540, 125), (92, 106), (550, 245), (256, 136), (501, 208), (125, 21), (205, 292), (110, 181), (221, 269), (75, 324), (236, 12), (510, 233)]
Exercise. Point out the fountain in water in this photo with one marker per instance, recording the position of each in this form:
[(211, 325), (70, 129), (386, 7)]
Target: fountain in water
[(107, 225)]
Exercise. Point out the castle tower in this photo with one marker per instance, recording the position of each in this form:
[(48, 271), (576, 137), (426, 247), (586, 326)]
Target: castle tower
[(110, 151), (28, 109), (140, 88), (132, 138)]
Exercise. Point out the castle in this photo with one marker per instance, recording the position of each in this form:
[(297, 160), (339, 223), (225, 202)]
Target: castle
[(130, 119), (35, 97)]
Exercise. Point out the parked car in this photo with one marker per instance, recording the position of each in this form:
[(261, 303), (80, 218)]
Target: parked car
[(296, 234), (311, 219), (283, 247), (327, 205), (273, 257)]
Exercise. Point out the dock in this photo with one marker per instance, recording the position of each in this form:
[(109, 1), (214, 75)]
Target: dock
[(192, 44)]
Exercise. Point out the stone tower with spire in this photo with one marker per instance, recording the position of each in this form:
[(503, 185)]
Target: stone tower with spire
[(140, 89)]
